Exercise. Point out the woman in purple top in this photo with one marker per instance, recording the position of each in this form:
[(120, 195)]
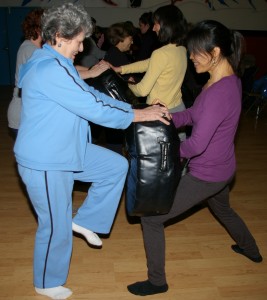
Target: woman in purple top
[(210, 148)]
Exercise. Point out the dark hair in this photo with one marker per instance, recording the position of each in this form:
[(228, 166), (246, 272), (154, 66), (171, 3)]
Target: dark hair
[(208, 34), (93, 20), (147, 19), (119, 31), (67, 20), (31, 25), (173, 25)]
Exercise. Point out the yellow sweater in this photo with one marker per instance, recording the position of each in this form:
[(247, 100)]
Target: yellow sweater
[(165, 71)]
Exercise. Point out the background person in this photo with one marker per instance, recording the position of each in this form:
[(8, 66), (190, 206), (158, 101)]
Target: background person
[(148, 38), (120, 37), (165, 69), (31, 28), (91, 54), (53, 147), (214, 116)]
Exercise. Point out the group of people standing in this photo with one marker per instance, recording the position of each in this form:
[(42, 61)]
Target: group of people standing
[(123, 44), (53, 147)]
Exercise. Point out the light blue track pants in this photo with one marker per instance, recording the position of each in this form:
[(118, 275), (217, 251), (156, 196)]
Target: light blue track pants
[(51, 195)]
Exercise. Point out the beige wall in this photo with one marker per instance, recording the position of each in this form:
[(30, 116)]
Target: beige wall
[(242, 19), (237, 16)]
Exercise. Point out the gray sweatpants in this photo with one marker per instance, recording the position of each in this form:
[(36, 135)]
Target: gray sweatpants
[(190, 192)]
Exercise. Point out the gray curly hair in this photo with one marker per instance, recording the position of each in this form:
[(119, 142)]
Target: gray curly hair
[(67, 21)]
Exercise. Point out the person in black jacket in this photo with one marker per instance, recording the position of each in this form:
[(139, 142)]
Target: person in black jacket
[(148, 38), (120, 37)]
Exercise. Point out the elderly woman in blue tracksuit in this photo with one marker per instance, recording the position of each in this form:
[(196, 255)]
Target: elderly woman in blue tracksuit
[(53, 147)]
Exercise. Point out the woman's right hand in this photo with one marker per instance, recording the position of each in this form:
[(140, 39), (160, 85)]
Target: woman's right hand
[(116, 69), (152, 113), (97, 69)]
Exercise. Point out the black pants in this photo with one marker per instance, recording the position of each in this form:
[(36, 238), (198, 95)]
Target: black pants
[(190, 192)]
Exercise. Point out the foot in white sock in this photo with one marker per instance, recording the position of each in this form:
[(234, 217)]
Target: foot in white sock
[(58, 292), (91, 237)]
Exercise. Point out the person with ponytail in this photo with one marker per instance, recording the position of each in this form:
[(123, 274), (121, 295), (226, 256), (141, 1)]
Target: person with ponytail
[(214, 118), (165, 69)]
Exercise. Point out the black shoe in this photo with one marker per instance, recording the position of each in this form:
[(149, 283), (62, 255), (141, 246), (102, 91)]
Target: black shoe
[(256, 259), (145, 288)]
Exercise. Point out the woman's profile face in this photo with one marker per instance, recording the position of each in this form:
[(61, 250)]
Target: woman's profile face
[(202, 61), (70, 48), (156, 28), (143, 27), (126, 44)]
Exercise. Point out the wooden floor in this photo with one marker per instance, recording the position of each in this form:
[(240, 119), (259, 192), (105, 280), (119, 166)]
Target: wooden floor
[(200, 264)]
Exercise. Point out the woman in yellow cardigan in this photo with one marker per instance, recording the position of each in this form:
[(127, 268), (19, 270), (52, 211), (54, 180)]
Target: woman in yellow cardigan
[(165, 69)]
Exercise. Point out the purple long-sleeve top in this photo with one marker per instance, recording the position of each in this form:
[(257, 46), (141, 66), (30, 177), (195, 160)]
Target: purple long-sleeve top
[(214, 117)]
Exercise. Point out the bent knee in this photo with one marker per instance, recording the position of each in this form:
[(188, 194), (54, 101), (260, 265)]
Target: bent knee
[(123, 164)]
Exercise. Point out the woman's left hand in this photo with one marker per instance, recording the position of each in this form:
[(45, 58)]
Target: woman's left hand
[(131, 80), (152, 113)]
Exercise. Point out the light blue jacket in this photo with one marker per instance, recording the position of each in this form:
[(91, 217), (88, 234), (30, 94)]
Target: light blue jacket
[(56, 107)]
